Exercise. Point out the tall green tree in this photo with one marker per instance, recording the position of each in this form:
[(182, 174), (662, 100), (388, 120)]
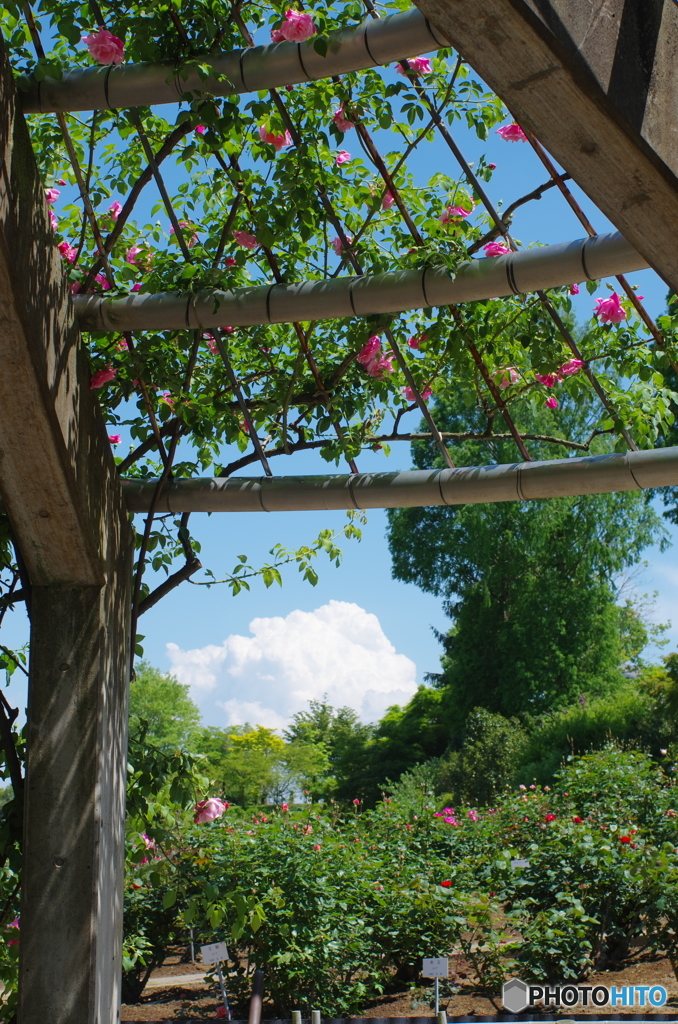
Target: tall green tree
[(164, 703), (529, 586), (348, 744)]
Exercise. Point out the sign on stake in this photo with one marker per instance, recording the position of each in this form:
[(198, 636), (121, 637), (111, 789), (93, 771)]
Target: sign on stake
[(215, 953)]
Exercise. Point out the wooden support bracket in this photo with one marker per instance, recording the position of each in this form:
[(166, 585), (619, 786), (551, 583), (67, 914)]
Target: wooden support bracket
[(597, 82)]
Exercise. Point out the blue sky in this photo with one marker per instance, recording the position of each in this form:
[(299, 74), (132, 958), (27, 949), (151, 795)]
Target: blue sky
[(359, 635)]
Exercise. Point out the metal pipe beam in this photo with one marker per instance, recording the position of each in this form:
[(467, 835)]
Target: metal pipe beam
[(596, 474), (392, 292), (371, 44)]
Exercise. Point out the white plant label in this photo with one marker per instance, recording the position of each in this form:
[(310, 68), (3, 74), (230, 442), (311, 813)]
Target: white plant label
[(520, 863), (435, 967), (214, 953)]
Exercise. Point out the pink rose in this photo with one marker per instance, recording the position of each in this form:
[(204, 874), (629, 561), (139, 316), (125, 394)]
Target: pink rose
[(53, 220), (342, 157), (114, 438), (381, 366), (388, 201), (507, 376), (104, 47), (209, 810), (552, 402), (574, 289), (610, 310), (571, 367), (338, 245), (136, 287), (492, 167), (370, 352), (247, 241), (277, 141), (114, 210), (495, 249), (411, 397), (193, 240), (296, 27), (421, 65), (101, 377), (277, 36), (512, 133), (132, 253), (51, 195), (416, 340), (67, 252), (62, 182), (342, 123), (103, 282), (199, 129), (284, 807), (451, 212), (549, 380)]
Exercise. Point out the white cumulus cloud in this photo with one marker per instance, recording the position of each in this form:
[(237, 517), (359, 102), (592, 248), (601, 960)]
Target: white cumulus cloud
[(339, 650)]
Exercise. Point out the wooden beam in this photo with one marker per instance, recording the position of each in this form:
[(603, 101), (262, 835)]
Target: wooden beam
[(44, 378), (597, 82), (60, 488)]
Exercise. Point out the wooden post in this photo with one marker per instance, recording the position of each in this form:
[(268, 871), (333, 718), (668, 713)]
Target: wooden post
[(59, 487), (597, 82)]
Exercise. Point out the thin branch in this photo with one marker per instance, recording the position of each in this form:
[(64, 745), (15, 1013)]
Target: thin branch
[(171, 583), (8, 715)]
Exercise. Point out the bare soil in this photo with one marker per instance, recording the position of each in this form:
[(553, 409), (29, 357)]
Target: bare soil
[(197, 1001)]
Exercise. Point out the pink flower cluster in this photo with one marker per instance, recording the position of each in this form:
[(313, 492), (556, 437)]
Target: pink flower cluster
[(610, 311), (416, 340), (67, 252), (275, 139), (209, 810), (568, 369), (411, 397), (373, 360), (507, 376), (138, 256), (296, 27), (420, 65), (512, 133), (495, 249), (51, 195), (186, 227), (342, 123), (342, 157), (453, 213), (338, 245), (104, 47), (114, 210), (388, 201), (447, 814), (246, 240), (101, 377)]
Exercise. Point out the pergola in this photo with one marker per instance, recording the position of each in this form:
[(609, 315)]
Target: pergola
[(594, 87)]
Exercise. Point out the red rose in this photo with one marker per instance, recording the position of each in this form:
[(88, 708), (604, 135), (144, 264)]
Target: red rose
[(625, 839), (550, 817), (447, 884), (577, 820)]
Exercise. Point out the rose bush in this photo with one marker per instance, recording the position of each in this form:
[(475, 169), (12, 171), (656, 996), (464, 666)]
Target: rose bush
[(339, 906)]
